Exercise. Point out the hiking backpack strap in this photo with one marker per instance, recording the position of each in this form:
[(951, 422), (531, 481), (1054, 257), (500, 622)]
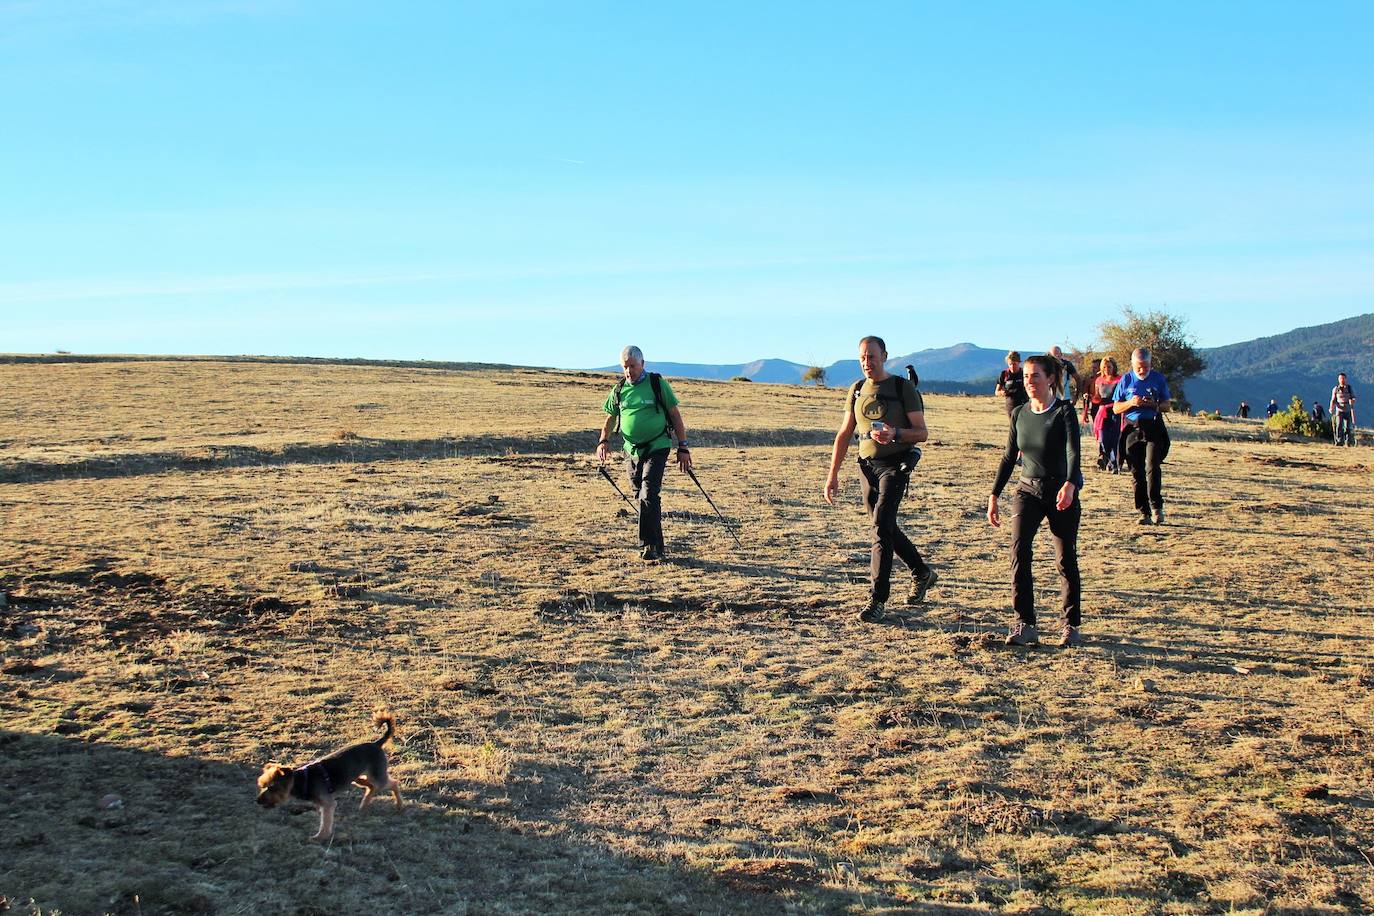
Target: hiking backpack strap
[(619, 387), (858, 386), (656, 383)]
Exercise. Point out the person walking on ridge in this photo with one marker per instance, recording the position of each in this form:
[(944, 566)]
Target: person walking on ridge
[(1342, 411), (1010, 385), (1106, 425), (1143, 395), (644, 409), (892, 414), (1045, 432), (1072, 382)]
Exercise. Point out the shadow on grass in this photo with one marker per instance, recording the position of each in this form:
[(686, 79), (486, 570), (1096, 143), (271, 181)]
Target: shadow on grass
[(185, 836), (1047, 592), (359, 450)]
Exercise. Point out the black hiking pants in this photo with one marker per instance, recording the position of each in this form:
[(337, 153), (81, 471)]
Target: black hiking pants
[(646, 482), (1034, 503), (884, 485), (1147, 445)]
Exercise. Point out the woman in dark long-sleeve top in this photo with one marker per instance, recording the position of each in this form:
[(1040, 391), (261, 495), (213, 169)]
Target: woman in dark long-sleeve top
[(1045, 432)]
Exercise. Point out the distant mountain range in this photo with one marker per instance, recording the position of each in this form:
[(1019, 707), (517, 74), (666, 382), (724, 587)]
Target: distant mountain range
[(960, 369), (1302, 362)]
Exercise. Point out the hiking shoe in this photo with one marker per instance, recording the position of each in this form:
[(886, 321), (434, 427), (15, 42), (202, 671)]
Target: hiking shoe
[(1144, 519), (1159, 516), (921, 584), (873, 612), (650, 553), (1069, 638), (1023, 634)]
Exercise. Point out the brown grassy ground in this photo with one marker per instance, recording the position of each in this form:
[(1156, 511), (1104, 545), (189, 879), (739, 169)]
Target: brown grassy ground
[(213, 565)]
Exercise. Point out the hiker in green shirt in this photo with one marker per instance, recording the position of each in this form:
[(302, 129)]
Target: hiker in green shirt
[(645, 410), (892, 414)]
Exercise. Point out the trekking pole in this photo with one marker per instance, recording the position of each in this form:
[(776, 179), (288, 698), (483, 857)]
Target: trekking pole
[(692, 475), (610, 480)]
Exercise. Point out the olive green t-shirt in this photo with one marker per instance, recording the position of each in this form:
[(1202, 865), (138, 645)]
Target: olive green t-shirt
[(643, 426), (889, 401)]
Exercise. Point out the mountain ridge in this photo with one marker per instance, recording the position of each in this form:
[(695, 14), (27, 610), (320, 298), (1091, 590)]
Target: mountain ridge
[(1302, 362)]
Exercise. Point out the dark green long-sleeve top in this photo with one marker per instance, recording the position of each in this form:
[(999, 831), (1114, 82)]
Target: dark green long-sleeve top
[(1047, 442)]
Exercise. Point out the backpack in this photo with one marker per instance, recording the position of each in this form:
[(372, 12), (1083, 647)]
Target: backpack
[(912, 457), (656, 383), (895, 396)]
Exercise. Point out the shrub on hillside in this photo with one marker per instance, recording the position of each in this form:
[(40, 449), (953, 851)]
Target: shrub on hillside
[(814, 375), (740, 378), (1297, 421)]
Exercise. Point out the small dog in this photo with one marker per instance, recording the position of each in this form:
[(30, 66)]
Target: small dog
[(317, 782)]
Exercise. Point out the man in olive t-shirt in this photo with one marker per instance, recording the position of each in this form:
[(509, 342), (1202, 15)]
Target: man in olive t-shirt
[(646, 422), (888, 413)]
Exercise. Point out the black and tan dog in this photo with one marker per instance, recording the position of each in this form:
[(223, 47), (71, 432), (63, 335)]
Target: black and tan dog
[(320, 780)]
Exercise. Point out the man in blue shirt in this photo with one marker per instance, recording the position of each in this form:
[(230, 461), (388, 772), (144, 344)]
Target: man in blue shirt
[(1142, 395)]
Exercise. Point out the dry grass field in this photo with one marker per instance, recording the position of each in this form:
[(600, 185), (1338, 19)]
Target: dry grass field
[(212, 565)]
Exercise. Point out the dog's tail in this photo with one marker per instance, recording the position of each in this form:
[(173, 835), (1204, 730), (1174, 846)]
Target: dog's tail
[(385, 718)]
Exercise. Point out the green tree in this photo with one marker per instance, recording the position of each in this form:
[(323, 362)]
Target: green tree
[(815, 375), (1168, 340)]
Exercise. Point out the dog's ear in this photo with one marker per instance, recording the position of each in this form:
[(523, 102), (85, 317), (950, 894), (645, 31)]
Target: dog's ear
[(271, 772)]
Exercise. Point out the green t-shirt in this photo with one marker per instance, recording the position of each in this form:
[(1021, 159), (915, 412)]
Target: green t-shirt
[(889, 401), (643, 426)]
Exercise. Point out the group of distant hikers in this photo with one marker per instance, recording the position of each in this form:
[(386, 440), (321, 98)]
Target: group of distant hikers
[(1341, 409), (887, 413)]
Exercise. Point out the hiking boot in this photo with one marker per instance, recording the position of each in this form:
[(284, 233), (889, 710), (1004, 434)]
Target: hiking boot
[(1023, 634), (1069, 638), (650, 553), (921, 584), (1144, 519), (873, 612), (1159, 516)]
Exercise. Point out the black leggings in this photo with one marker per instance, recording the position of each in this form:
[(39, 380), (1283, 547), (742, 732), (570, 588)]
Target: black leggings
[(1030, 508)]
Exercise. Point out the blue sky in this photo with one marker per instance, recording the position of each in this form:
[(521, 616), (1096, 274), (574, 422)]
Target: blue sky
[(718, 182)]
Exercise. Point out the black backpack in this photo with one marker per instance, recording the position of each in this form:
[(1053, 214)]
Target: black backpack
[(896, 394), (655, 382)]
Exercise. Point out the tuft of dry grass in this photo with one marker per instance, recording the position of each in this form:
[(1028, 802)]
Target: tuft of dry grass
[(202, 575)]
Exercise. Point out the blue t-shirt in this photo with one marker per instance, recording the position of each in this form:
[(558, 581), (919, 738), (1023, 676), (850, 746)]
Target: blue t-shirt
[(1153, 385)]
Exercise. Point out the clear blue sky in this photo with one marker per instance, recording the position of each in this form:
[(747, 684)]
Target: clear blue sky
[(543, 182)]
